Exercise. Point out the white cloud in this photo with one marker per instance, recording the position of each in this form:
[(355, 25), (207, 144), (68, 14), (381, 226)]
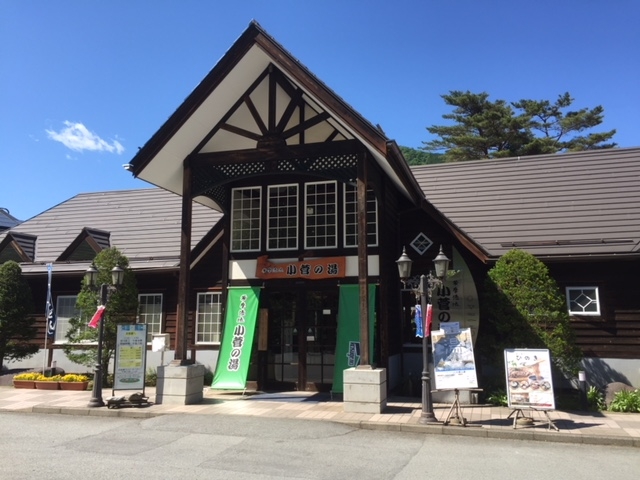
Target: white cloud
[(78, 137)]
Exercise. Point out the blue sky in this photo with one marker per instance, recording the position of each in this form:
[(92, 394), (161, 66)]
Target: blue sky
[(83, 84)]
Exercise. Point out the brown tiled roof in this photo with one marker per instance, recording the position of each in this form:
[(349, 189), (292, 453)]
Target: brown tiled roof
[(144, 225), (563, 205)]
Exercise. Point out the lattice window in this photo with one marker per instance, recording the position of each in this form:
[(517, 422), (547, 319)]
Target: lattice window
[(351, 217), (150, 312), (65, 311), (245, 219), (583, 301), (421, 243), (321, 215), (282, 217), (209, 318)]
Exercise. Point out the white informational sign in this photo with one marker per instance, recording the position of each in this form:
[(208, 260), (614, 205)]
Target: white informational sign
[(131, 357), (159, 342), (529, 383), (454, 363)]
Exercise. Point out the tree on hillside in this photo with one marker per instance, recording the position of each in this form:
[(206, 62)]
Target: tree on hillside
[(17, 328), (414, 156), (524, 308), (494, 129), (122, 307)]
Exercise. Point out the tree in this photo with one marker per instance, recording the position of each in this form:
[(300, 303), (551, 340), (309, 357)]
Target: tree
[(495, 129), (524, 308), (420, 157), (17, 327), (122, 307)]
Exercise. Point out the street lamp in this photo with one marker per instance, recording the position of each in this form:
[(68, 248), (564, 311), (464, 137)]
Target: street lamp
[(424, 290), (91, 279)]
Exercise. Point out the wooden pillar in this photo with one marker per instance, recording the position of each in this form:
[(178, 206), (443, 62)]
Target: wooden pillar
[(182, 338), (363, 267)]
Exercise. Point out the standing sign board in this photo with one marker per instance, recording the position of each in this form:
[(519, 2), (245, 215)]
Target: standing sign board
[(529, 383), (454, 363), (131, 357)]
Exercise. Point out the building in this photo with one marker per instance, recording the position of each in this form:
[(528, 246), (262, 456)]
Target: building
[(266, 176), (578, 213)]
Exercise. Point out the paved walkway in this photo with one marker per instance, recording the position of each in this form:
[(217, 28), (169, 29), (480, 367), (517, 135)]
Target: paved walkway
[(622, 429)]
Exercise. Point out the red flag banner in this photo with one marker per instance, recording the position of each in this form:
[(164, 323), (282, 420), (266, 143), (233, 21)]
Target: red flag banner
[(95, 320), (428, 318)]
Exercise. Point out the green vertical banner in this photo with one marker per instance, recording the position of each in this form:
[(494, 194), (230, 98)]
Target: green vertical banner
[(237, 341), (348, 336)]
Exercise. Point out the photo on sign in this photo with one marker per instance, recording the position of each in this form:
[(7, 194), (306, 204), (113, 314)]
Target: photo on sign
[(529, 382), (454, 362)]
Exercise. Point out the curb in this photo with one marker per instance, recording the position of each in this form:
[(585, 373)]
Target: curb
[(436, 429)]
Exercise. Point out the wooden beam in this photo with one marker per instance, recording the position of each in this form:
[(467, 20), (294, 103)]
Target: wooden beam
[(301, 127), (241, 131), (255, 114), (182, 329), (363, 260)]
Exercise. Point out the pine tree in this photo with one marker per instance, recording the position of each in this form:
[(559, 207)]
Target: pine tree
[(495, 129)]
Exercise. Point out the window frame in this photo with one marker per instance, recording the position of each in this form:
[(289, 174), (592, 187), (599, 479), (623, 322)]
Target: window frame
[(144, 315), (581, 289), (372, 213), (307, 216), (60, 339), (253, 221), (295, 217), (203, 322)]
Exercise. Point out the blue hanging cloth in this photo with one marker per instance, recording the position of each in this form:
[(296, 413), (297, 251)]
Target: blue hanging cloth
[(418, 320)]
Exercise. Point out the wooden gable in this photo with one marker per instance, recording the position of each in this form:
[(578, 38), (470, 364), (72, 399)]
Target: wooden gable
[(261, 111)]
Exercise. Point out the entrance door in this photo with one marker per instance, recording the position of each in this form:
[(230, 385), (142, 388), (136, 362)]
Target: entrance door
[(301, 339)]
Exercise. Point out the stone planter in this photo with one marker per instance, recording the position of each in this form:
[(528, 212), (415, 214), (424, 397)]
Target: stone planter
[(73, 385), (47, 385), (24, 384)]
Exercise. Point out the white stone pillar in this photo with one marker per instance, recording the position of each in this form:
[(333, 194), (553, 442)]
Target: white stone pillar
[(365, 390), (180, 385)]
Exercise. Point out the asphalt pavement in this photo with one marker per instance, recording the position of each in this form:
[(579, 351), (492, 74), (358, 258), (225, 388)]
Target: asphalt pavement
[(401, 414)]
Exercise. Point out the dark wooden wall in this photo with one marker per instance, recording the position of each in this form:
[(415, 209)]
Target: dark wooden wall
[(616, 332)]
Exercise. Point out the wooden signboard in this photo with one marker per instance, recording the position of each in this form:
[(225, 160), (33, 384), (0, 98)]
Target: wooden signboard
[(313, 269)]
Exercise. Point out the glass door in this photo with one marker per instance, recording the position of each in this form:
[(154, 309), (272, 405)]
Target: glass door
[(301, 339)]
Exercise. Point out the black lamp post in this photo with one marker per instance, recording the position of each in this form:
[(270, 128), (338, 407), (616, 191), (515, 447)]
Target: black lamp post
[(423, 290), (91, 278)]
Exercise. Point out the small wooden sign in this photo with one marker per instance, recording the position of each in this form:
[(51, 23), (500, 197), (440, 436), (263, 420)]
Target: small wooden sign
[(316, 269)]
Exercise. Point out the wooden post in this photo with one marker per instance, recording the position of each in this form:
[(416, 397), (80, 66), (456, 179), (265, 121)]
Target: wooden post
[(185, 262), (363, 258)]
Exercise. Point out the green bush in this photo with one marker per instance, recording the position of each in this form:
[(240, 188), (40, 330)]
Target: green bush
[(208, 377), (151, 378), (498, 398), (524, 308), (595, 399), (626, 401)]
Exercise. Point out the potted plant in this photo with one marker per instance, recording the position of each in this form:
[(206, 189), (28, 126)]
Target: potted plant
[(48, 383), (25, 380), (72, 381)]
